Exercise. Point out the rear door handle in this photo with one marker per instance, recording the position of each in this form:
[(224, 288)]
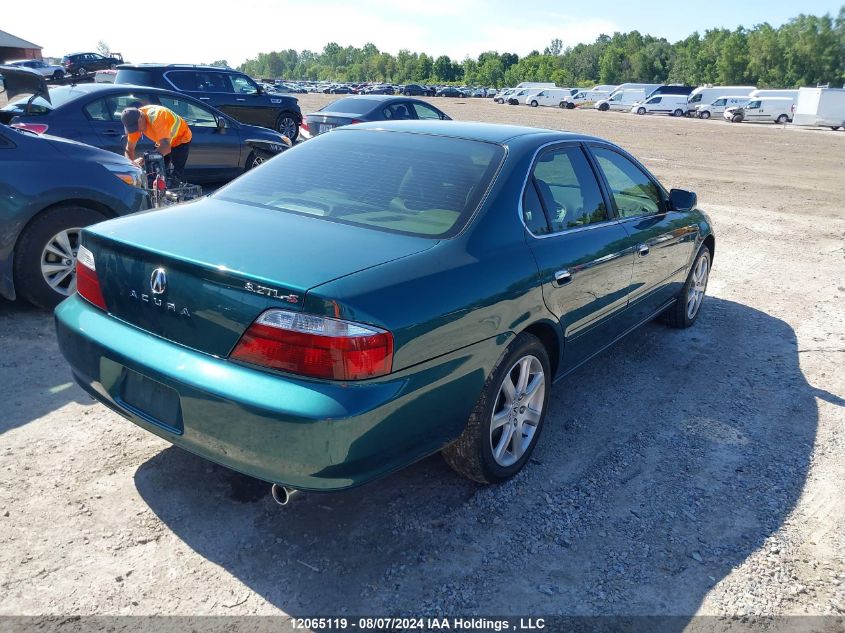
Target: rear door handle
[(240, 99), (111, 133), (563, 277), (643, 250)]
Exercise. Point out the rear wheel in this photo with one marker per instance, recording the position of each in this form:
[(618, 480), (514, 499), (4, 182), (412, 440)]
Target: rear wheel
[(562, 105), (678, 112), (82, 72), (782, 119), (288, 126), (834, 128), (58, 75), (503, 429), (45, 257), (704, 115), (686, 309)]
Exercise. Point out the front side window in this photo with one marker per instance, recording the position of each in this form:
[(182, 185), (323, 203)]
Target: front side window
[(194, 115), (243, 85), (634, 193), (654, 100), (212, 82), (110, 108), (753, 105), (183, 79), (397, 112), (568, 189), (426, 112), (414, 184), (718, 102), (696, 98)]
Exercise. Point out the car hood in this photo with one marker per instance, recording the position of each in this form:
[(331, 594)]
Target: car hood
[(263, 133)]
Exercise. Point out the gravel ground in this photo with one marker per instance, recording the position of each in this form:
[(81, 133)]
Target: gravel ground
[(682, 472)]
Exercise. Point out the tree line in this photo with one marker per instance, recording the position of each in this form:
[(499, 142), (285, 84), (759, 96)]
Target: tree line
[(806, 51)]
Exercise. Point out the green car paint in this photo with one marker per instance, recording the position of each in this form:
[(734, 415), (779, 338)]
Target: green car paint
[(453, 302)]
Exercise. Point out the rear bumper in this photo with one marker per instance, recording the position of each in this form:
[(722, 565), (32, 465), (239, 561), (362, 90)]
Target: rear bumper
[(306, 434)]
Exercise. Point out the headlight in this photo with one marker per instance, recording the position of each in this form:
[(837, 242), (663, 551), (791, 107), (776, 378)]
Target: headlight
[(131, 175)]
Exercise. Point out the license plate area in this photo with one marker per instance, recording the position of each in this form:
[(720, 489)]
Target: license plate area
[(324, 127), (150, 400)]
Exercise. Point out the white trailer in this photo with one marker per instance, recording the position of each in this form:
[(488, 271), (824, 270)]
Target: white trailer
[(822, 107)]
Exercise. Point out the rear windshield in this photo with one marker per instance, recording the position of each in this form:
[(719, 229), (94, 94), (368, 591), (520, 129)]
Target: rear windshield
[(58, 96), (352, 106), (414, 184), (132, 76)]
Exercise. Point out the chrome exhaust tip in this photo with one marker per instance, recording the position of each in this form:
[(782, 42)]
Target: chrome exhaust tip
[(282, 494)]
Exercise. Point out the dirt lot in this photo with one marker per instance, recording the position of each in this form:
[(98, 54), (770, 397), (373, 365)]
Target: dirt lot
[(693, 472)]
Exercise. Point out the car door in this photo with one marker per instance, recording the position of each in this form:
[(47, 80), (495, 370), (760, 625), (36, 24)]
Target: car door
[(663, 239), (584, 255), (215, 153), (251, 104), (103, 115)]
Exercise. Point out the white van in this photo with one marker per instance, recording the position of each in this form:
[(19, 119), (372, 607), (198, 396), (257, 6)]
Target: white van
[(823, 107), (621, 100), (719, 106), (775, 109), (548, 97), (676, 105), (608, 88), (707, 94), (518, 96), (583, 98), (503, 95)]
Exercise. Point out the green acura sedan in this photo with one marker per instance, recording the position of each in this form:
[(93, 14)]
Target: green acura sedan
[(380, 293)]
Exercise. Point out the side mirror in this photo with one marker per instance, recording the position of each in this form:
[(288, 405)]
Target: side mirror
[(681, 200), (221, 123)]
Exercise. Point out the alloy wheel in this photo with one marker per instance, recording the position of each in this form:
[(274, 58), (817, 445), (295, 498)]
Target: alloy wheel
[(58, 261), (698, 284), (518, 410), (287, 126)]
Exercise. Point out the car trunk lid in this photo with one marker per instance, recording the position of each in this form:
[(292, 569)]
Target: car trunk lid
[(199, 274)]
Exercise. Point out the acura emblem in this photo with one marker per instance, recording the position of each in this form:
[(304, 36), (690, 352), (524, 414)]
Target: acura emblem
[(158, 281)]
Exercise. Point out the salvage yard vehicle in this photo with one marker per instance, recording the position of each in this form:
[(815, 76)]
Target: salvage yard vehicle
[(90, 113), (583, 98), (227, 90), (704, 95), (676, 105), (762, 109), (621, 100), (379, 294), (549, 97), (50, 71), (81, 64), (718, 107), (359, 109), (40, 217)]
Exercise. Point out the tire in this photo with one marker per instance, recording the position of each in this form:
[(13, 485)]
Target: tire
[(58, 75), (640, 111), (112, 66), (683, 313), (603, 107), (82, 72), (781, 119), (31, 252), (704, 115), (534, 104), (562, 105), (835, 127), (570, 105), (678, 112), (474, 453), (737, 118), (253, 161), (287, 125)]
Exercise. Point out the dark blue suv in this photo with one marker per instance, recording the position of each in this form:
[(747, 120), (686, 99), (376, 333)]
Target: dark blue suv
[(228, 90)]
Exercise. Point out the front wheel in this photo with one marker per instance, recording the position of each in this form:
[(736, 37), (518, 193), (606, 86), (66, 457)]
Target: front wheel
[(782, 119), (704, 115), (685, 311), (737, 118), (82, 72), (503, 429), (288, 126), (603, 107), (45, 257), (678, 112), (58, 75), (640, 110), (534, 104)]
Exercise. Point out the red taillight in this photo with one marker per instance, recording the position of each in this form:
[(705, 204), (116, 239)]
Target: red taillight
[(38, 128), (315, 346), (355, 121), (87, 282), (304, 125)]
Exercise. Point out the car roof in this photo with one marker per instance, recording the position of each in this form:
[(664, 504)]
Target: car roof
[(94, 88), (471, 130), (179, 66)]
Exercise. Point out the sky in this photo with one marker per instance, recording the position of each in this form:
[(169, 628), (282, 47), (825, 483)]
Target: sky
[(198, 31)]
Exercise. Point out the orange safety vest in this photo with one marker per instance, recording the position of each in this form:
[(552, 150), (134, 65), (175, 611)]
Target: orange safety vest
[(163, 123)]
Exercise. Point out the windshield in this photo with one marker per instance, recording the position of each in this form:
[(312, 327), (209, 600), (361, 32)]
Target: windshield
[(415, 184), (58, 96)]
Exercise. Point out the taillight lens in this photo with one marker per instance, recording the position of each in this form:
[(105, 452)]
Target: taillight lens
[(353, 121), (304, 125), (315, 346), (38, 128), (87, 282)]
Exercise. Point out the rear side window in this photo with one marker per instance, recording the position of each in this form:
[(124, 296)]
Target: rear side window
[(568, 189), (212, 82), (634, 193), (183, 79), (415, 184), (110, 108), (133, 76), (351, 106)]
